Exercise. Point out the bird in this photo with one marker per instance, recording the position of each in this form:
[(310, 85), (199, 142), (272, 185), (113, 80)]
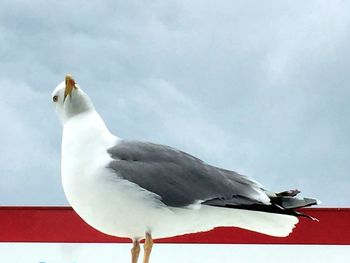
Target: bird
[(144, 191)]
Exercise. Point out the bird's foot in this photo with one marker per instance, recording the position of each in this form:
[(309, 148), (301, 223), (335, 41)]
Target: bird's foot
[(135, 251), (147, 246)]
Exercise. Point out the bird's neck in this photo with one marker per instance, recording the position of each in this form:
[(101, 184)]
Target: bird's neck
[(87, 129)]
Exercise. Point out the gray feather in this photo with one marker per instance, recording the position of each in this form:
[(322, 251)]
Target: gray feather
[(179, 178)]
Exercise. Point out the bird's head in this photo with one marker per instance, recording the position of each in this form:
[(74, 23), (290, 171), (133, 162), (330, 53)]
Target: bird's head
[(70, 100)]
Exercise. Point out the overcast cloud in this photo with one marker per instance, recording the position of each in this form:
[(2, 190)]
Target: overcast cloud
[(258, 87)]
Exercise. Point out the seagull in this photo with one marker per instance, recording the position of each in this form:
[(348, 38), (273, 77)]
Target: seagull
[(145, 191)]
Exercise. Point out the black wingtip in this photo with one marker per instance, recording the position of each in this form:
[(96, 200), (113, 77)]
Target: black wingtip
[(294, 192), (300, 214)]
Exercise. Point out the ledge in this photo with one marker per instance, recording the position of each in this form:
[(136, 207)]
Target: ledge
[(62, 224)]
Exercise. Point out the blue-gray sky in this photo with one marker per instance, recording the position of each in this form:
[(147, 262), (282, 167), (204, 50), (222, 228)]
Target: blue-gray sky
[(258, 87)]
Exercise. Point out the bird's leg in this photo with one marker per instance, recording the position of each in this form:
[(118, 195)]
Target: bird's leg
[(147, 246), (135, 251)]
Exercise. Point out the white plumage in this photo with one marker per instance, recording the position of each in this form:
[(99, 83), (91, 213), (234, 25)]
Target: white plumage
[(119, 207)]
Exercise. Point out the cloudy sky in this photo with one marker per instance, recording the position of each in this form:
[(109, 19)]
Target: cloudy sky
[(260, 88)]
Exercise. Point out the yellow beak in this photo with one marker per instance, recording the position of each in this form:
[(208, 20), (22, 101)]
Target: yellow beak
[(70, 85)]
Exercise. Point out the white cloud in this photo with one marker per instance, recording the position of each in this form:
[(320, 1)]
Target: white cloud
[(28, 164), (261, 88)]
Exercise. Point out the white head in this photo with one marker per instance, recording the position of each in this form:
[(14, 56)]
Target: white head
[(70, 100)]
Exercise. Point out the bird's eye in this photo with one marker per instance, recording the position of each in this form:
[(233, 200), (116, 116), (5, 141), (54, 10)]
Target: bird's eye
[(55, 98)]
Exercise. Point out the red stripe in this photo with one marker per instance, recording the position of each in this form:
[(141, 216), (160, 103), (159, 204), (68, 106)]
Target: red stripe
[(62, 224)]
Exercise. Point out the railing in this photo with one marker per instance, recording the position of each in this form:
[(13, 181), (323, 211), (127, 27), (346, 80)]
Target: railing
[(62, 224)]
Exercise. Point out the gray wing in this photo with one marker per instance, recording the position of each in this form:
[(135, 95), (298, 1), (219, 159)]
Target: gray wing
[(181, 179)]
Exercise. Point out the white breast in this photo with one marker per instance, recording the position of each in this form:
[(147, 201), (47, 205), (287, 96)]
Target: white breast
[(106, 202)]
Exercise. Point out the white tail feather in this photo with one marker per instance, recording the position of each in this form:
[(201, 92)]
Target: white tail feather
[(272, 224), (266, 223)]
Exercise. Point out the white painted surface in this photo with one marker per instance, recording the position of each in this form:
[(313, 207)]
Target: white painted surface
[(169, 253)]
